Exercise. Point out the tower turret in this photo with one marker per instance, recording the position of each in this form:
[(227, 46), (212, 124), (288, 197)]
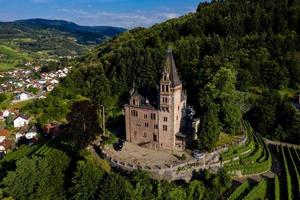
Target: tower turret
[(168, 82)]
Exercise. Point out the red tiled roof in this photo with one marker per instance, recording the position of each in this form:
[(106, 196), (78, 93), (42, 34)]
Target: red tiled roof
[(4, 132), (6, 144)]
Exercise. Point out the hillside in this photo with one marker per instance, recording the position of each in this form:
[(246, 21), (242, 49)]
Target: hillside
[(44, 39), (239, 61), (257, 40)]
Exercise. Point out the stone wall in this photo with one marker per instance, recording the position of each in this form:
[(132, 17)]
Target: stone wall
[(177, 171)]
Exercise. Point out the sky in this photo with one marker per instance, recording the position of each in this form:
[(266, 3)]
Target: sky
[(122, 13)]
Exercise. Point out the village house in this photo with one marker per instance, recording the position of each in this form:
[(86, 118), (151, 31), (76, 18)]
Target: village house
[(4, 146), (3, 135), (158, 124), (52, 130), (26, 133), (50, 88), (4, 142), (21, 121), (42, 81), (6, 114), (23, 96), (32, 132)]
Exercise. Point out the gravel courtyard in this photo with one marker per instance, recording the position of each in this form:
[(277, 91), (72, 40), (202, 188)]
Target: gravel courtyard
[(137, 155)]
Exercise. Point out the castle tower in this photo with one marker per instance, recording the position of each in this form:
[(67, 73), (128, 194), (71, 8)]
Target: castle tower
[(158, 128), (171, 103)]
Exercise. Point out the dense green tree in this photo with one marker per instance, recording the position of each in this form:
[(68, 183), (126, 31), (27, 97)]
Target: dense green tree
[(210, 129), (222, 107), (38, 178), (275, 117), (195, 190), (86, 179), (83, 123), (115, 187), (143, 186)]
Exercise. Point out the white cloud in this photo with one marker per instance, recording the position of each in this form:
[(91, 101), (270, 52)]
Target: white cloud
[(128, 20)]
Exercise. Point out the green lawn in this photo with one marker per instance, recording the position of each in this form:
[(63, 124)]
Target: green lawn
[(10, 57), (20, 104), (5, 104), (226, 139)]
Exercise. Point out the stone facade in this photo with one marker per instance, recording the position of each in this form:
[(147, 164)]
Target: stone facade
[(158, 126)]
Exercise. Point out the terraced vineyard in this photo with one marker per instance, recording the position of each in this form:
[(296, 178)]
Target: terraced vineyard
[(249, 159), (284, 185), (288, 184)]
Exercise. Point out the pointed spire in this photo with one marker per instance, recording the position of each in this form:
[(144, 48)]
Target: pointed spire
[(171, 68)]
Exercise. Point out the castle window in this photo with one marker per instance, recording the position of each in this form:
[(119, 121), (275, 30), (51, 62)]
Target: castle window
[(145, 134), (165, 119), (165, 78), (145, 116), (163, 88), (153, 116), (155, 126), (134, 113), (154, 137), (146, 124), (167, 88), (165, 127), (133, 102), (165, 99)]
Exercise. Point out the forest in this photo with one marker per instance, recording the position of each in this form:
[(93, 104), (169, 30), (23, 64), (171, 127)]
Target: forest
[(251, 46)]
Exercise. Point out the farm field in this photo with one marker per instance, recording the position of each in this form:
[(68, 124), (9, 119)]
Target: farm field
[(10, 58)]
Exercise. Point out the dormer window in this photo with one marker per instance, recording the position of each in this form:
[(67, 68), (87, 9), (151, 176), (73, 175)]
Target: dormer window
[(133, 102)]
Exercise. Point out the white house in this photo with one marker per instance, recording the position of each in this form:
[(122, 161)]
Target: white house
[(21, 121), (50, 88), (23, 96), (54, 81), (31, 133), (6, 114), (42, 81), (2, 148), (18, 136)]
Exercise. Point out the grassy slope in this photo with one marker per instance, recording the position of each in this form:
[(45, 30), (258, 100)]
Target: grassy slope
[(11, 57)]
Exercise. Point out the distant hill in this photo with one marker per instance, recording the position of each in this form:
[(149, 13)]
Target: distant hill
[(84, 34), (42, 38)]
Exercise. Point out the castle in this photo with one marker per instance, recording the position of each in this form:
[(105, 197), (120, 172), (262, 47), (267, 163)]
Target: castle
[(159, 127)]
